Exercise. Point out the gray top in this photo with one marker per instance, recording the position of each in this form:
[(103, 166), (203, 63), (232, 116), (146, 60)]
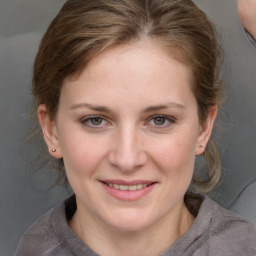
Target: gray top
[(215, 232), (251, 38)]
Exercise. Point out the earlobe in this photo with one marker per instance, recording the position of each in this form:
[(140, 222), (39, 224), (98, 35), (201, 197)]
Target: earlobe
[(49, 131), (206, 130)]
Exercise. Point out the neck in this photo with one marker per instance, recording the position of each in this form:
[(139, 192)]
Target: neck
[(150, 241)]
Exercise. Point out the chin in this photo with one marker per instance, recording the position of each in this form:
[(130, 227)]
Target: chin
[(132, 226), (130, 221)]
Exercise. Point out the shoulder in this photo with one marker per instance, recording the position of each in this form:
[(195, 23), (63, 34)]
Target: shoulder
[(40, 237), (230, 232), (226, 219), (217, 231)]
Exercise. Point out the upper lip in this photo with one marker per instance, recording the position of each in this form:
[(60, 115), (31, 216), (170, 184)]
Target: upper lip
[(125, 182)]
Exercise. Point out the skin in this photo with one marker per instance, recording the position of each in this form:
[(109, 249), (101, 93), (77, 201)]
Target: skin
[(247, 15), (129, 144)]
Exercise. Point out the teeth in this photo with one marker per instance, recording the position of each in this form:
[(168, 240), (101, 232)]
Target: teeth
[(127, 187), (139, 186), (123, 187), (116, 186), (132, 187)]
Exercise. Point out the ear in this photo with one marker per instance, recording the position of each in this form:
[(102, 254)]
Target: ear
[(205, 131), (49, 131)]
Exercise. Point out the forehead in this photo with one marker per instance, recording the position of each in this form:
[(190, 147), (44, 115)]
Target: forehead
[(140, 71), (153, 49)]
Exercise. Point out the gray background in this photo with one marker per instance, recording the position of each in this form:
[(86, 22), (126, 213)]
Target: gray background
[(25, 192)]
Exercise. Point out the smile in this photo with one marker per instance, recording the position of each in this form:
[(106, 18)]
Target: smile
[(127, 187), (128, 191)]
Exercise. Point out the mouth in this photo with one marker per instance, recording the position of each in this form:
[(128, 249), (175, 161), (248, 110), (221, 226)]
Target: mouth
[(128, 191), (125, 187)]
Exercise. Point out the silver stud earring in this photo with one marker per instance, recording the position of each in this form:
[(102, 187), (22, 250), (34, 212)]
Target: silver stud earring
[(53, 150)]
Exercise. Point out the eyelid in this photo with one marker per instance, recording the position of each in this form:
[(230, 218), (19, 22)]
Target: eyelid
[(171, 120), (84, 120), (163, 115)]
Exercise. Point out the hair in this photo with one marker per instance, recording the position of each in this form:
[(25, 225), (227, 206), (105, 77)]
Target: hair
[(83, 29)]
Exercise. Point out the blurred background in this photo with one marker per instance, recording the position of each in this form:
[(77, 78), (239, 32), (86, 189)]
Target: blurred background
[(26, 190)]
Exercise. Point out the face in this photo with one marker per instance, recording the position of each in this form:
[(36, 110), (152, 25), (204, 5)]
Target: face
[(127, 128)]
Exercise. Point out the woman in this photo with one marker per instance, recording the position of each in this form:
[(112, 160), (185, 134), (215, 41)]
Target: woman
[(127, 94)]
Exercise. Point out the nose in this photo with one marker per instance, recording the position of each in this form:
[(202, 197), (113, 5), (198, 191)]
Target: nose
[(127, 152)]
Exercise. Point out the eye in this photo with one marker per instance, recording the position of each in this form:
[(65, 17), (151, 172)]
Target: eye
[(161, 121), (94, 121)]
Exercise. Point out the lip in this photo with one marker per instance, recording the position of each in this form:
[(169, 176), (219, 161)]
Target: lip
[(128, 195), (132, 182)]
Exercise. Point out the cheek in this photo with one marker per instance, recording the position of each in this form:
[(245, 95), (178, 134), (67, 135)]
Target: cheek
[(81, 153), (175, 156)]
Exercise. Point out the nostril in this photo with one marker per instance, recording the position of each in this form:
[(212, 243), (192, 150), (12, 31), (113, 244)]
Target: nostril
[(126, 153), (126, 162)]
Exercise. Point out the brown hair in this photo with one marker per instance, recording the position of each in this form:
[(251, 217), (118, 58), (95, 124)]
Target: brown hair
[(82, 29)]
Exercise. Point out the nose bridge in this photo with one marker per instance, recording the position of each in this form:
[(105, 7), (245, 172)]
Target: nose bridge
[(127, 153)]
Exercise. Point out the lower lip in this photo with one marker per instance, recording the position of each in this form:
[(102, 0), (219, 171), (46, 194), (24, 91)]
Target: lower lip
[(128, 195)]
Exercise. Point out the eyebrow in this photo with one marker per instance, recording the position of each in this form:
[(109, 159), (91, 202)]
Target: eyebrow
[(165, 106), (91, 106), (108, 110)]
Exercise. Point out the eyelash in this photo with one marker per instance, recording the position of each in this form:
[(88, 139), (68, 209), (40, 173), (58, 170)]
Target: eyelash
[(170, 120), (87, 121)]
